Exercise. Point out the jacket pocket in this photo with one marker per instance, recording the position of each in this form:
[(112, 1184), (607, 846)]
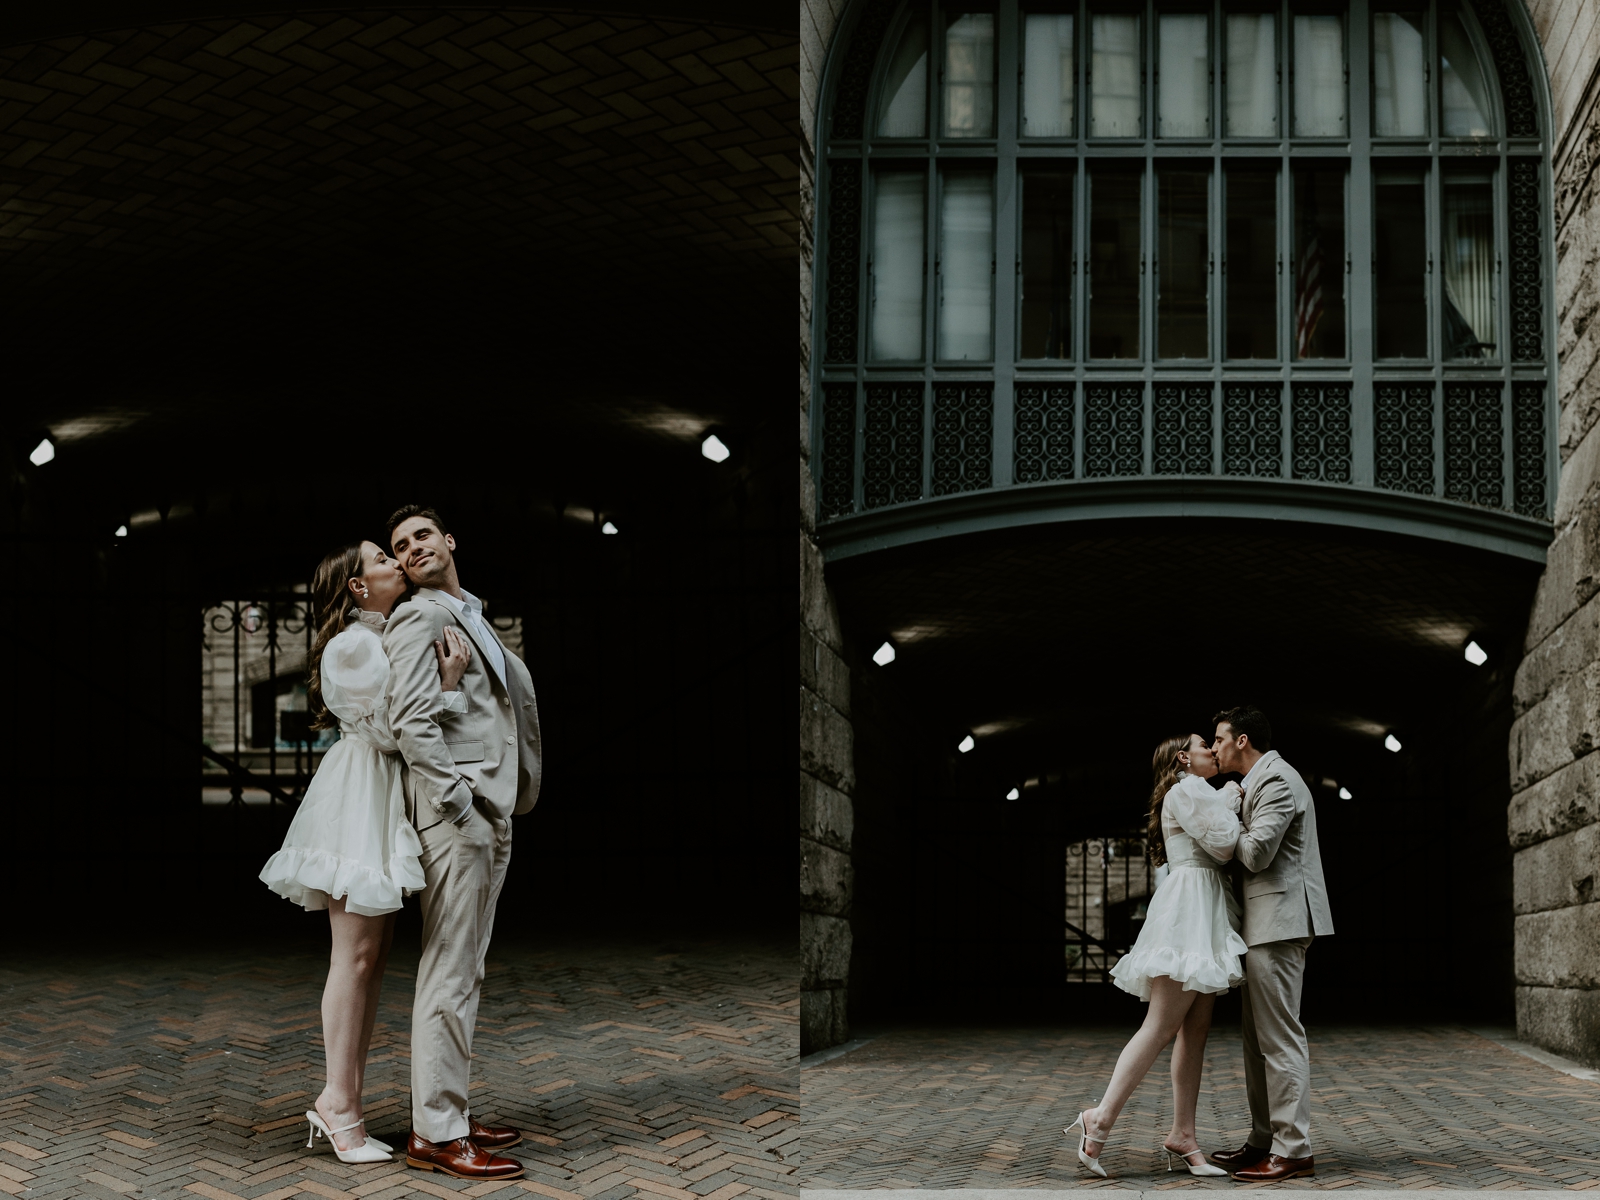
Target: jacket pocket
[(1264, 887), (472, 752)]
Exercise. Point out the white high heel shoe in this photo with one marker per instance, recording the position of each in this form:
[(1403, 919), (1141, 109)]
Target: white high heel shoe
[(1083, 1141), (1204, 1169), (364, 1153)]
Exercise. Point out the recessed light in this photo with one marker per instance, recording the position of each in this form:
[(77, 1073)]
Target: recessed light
[(1392, 743), (1476, 655), (609, 528), (966, 744), (714, 449), (122, 531), (1344, 794), (884, 655), (1013, 794), (42, 453)]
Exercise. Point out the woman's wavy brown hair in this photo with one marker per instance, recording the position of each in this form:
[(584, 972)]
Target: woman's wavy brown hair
[(1164, 770), (330, 603)]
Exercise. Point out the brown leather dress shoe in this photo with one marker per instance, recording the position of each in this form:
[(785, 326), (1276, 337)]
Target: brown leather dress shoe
[(1245, 1156), (496, 1137), (1276, 1168), (462, 1158)]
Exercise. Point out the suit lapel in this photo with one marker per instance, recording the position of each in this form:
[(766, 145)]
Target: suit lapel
[(440, 598), (1248, 808)]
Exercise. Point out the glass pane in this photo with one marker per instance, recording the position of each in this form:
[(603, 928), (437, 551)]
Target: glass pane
[(1252, 75), (1046, 329), (1319, 109), (1182, 265), (1048, 76), (903, 107), (1469, 277), (969, 76), (1250, 262), (1466, 94), (966, 266), (897, 254), (1319, 262), (1114, 109), (1399, 76), (1184, 76), (1400, 253), (1114, 262)]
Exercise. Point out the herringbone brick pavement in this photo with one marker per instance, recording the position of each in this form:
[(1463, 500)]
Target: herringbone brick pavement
[(655, 1071), (1391, 1108)]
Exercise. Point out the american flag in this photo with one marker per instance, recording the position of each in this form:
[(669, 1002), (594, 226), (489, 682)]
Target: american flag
[(1308, 291)]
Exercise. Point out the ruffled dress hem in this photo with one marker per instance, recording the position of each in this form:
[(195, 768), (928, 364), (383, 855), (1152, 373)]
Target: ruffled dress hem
[(311, 877), (1203, 973)]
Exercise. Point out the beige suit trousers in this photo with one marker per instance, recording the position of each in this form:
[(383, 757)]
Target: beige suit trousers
[(465, 866), (1277, 1057)]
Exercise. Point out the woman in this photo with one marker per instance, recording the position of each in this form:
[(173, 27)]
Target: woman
[(350, 848), (1187, 953)]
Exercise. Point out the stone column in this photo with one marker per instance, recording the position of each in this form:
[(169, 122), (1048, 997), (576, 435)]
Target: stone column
[(827, 750), (1554, 817)]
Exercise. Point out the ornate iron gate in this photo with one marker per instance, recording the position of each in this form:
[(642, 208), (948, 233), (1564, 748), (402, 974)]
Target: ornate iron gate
[(1109, 883)]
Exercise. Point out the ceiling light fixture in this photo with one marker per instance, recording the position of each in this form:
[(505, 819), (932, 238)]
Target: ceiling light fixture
[(42, 453), (714, 449), (122, 531), (884, 655), (1392, 743), (966, 744), (1013, 794), (1344, 794), (609, 528), (1476, 655)]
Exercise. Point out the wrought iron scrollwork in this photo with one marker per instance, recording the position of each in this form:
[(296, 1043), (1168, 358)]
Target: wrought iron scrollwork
[(1181, 442), (963, 437), (891, 459), (1528, 449), (1043, 424), (1319, 441), (1403, 433), (1516, 90), (1474, 444), (1527, 287), (1113, 421), (843, 309), (838, 449), (855, 79), (1252, 429)]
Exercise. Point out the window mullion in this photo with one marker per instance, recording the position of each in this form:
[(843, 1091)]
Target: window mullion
[(1358, 245), (1006, 219)]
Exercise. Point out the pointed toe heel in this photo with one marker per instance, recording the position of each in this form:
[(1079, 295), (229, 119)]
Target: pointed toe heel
[(364, 1153), (1093, 1164)]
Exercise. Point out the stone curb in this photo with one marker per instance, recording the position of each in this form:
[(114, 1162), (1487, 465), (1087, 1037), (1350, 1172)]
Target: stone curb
[(1506, 1039), (1132, 1189)]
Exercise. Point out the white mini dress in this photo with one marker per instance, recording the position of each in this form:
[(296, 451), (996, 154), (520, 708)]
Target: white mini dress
[(1191, 932), (350, 837)]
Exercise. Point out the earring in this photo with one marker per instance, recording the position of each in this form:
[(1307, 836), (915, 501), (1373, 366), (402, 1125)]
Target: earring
[(364, 592)]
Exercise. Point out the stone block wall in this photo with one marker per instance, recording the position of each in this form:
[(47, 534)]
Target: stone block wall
[(1554, 818), (827, 748)]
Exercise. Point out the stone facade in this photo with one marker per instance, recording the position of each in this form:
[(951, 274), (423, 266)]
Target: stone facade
[(1554, 817), (827, 750)]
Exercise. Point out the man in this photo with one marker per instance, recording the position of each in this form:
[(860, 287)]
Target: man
[(466, 780), (1285, 907)]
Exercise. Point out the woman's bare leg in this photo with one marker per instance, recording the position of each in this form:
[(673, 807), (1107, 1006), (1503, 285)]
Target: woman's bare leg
[(357, 942), (1169, 1004), (374, 989), (1188, 1057)]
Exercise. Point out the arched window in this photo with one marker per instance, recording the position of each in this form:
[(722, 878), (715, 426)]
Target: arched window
[(1272, 238)]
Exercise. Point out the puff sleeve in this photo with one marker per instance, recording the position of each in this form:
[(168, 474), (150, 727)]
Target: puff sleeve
[(1208, 816), (355, 679)]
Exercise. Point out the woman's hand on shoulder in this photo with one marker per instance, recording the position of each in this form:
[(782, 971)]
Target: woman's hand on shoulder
[(1233, 795), (454, 655)]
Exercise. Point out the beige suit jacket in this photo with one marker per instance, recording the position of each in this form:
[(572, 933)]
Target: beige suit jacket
[(1284, 893), (491, 750)]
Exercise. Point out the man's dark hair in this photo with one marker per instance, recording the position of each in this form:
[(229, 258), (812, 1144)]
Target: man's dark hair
[(1251, 722), (406, 512)]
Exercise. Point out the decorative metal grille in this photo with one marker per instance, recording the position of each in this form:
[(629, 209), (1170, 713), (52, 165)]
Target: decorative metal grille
[(1182, 439), (1528, 449), (1043, 439), (1474, 443), (963, 437), (1113, 422), (1319, 419), (843, 312), (891, 458), (850, 102), (1522, 115), (1527, 290), (1252, 429), (838, 449), (1403, 421)]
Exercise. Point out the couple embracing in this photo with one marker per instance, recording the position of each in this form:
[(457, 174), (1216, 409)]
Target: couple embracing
[(438, 748), (1190, 948)]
